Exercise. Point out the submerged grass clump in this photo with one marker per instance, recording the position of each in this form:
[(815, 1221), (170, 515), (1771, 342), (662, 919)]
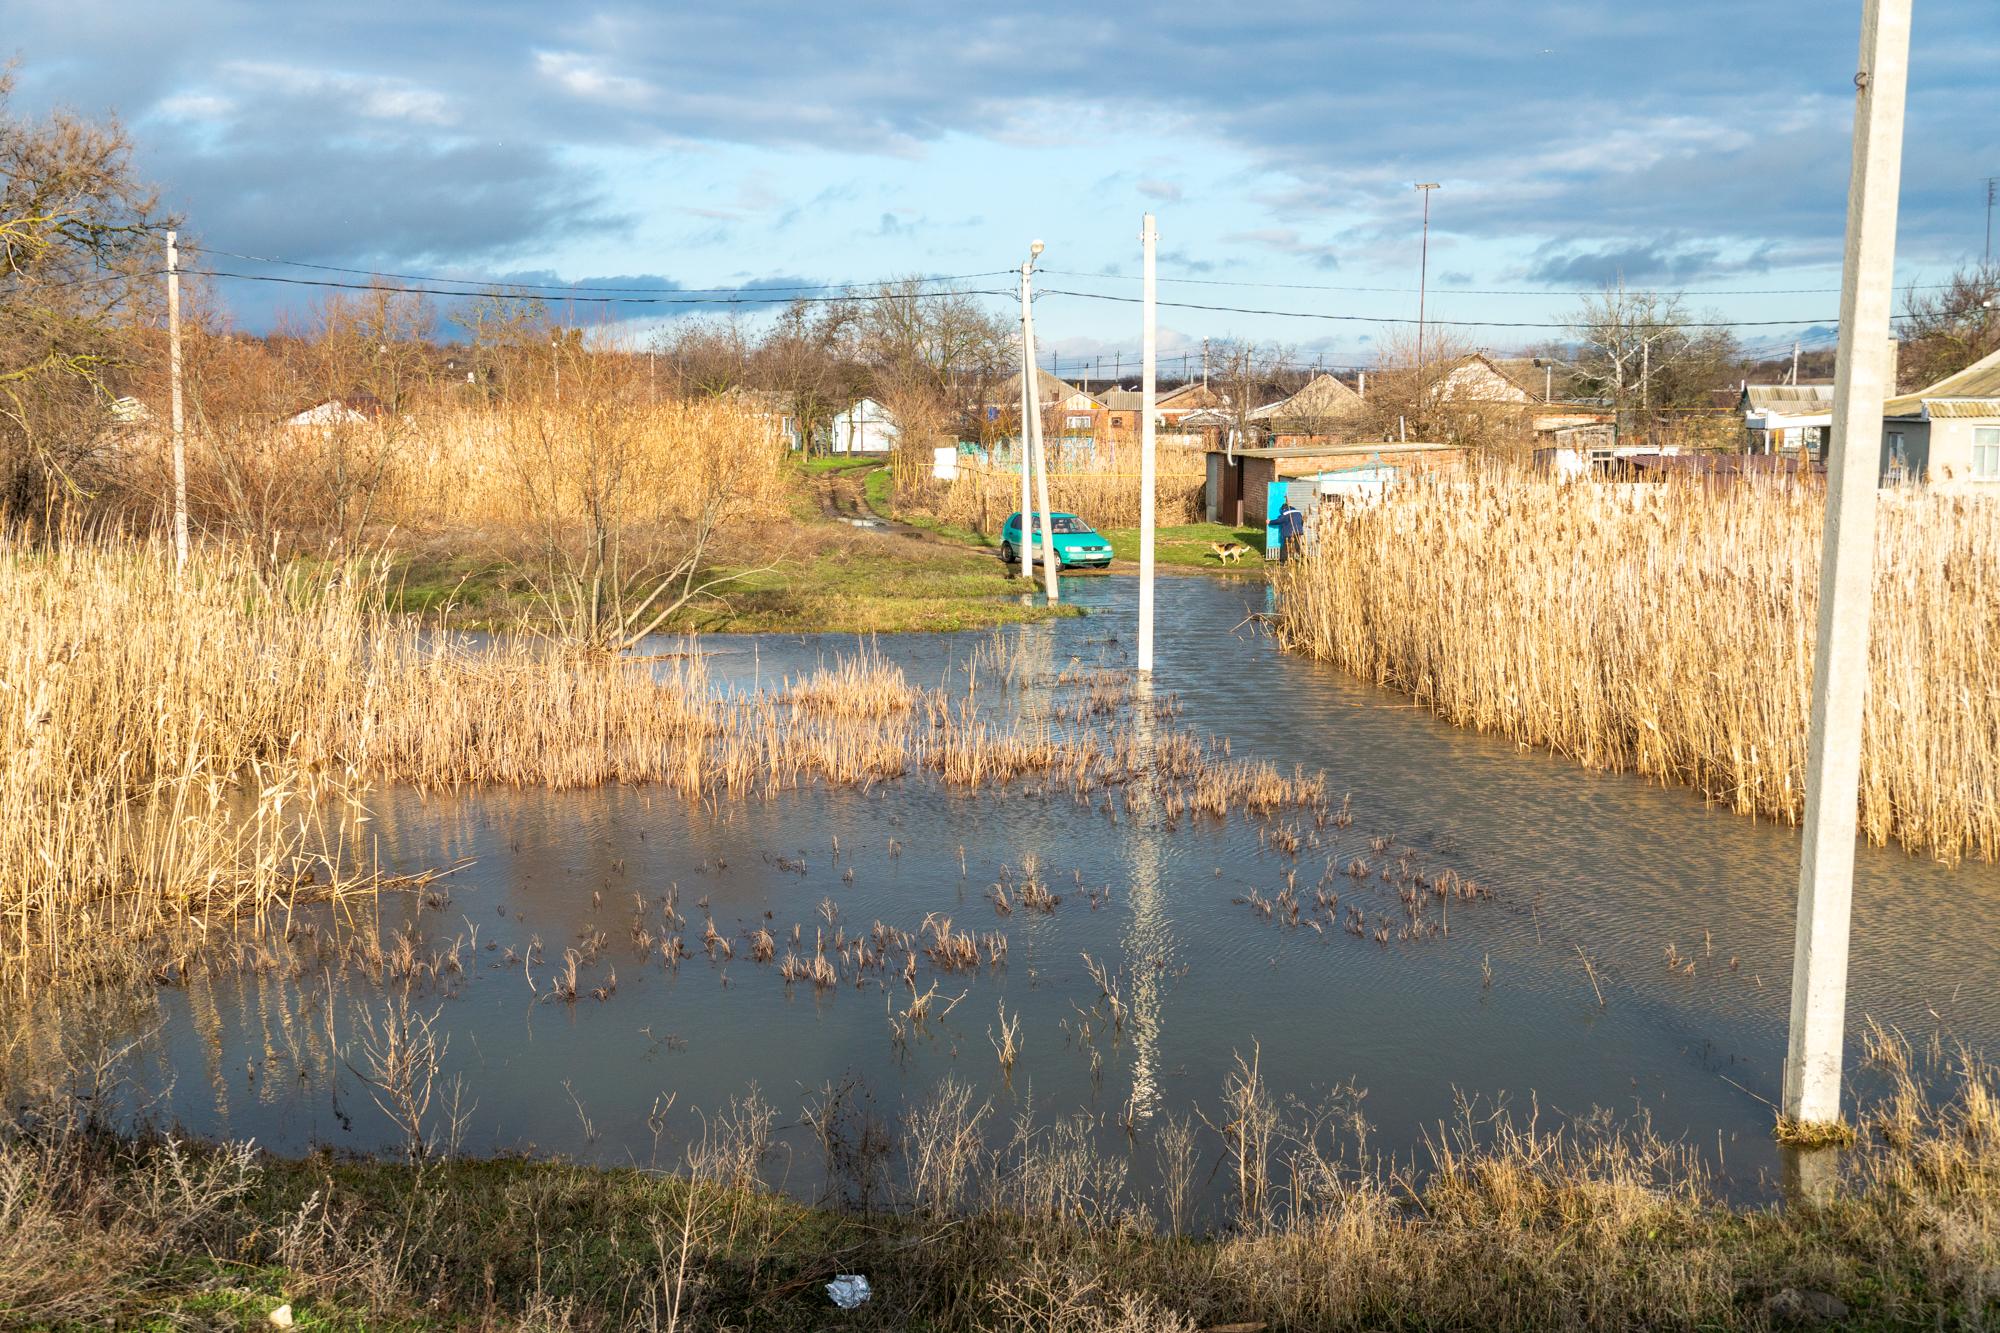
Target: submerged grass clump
[(1669, 630)]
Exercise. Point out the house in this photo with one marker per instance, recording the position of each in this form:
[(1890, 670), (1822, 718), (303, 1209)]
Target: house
[(351, 410), (1479, 379), (863, 427), (1121, 413), (1067, 411), (1787, 418), (1196, 397), (1949, 434), (773, 410), (129, 411), (1314, 413)]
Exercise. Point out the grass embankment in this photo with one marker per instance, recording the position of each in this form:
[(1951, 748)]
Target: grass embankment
[(1669, 630), (812, 573), (1495, 1226)]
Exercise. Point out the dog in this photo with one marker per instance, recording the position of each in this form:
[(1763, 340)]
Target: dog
[(1228, 552)]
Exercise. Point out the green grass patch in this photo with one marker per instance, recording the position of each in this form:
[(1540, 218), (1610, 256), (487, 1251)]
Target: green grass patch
[(882, 586), (1188, 546)]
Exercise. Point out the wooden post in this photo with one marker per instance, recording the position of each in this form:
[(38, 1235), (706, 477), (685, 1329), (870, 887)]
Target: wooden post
[(178, 414), (1846, 578)]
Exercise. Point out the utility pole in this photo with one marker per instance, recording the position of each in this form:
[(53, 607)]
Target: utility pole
[(1424, 271), (1846, 576), (1646, 385), (1795, 360), (1149, 241), (1204, 363), (1029, 404), (178, 416), (1040, 453), (1548, 383), (1992, 191)]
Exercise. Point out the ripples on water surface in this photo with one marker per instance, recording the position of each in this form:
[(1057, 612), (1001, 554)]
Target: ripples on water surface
[(1602, 863)]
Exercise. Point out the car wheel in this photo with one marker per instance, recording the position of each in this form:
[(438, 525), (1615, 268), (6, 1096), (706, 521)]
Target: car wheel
[(1006, 553)]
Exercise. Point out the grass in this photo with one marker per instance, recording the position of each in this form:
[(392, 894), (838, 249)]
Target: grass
[(869, 583), (1669, 630), (1496, 1223), (1186, 546)]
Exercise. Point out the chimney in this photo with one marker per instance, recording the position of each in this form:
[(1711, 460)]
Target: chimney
[(1889, 373)]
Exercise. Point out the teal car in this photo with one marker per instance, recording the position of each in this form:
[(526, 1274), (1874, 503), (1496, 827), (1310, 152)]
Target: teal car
[(1078, 545)]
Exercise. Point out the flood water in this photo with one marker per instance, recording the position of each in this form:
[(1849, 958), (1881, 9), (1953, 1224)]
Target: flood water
[(1500, 1009)]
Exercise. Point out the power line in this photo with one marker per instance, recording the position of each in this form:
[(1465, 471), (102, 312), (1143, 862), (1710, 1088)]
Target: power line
[(1454, 323), (743, 296), (580, 287), (1476, 291)]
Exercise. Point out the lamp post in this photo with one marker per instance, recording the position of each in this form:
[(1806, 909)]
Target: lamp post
[(1424, 269)]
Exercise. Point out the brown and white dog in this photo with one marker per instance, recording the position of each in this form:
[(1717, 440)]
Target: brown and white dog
[(1229, 552)]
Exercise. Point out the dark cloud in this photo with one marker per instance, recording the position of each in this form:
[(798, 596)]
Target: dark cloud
[(1576, 133)]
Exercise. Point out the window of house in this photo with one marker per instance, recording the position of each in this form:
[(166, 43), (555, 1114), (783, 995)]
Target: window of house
[(1898, 460), (1080, 422), (1986, 453)]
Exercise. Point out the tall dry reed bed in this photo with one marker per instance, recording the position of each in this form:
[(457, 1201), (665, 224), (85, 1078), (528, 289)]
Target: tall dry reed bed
[(1102, 487), (1669, 630), (175, 753)]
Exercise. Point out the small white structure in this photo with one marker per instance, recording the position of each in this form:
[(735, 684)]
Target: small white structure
[(944, 462), (1947, 435), (1784, 418), (1364, 484), (337, 412), (866, 427)]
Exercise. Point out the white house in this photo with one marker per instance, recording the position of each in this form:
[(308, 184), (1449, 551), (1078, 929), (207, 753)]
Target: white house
[(1949, 434), (350, 411), (866, 427)]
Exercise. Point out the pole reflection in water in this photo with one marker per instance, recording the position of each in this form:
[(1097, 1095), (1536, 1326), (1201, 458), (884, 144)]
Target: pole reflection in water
[(1149, 938)]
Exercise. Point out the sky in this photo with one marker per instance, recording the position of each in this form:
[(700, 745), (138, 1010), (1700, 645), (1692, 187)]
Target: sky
[(1699, 146)]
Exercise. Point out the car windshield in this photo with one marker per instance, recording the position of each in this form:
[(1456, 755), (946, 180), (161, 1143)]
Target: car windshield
[(1059, 524)]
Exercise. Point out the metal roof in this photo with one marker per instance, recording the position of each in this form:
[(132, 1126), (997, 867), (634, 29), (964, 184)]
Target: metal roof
[(1784, 397), (1981, 379), (1962, 408)]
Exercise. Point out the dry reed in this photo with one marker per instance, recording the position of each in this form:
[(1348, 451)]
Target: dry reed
[(1102, 488), (1669, 630)]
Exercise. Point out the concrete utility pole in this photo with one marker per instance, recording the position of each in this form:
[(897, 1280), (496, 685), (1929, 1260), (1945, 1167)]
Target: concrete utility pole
[(1027, 409), (1424, 269), (1149, 241), (1795, 360), (178, 415), (1204, 363), (1040, 452), (1846, 576)]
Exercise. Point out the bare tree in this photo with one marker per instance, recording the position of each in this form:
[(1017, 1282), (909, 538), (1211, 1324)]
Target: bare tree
[(807, 359), (931, 354), (1642, 350), (75, 253), (618, 555), (1946, 330), (704, 358)]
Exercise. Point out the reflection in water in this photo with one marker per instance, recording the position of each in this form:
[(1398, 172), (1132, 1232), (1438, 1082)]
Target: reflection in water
[(1148, 937)]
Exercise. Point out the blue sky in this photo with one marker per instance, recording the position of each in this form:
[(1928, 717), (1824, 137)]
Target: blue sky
[(1700, 146)]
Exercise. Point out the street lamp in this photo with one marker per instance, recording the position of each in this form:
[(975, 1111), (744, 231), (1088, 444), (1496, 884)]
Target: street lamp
[(1423, 271)]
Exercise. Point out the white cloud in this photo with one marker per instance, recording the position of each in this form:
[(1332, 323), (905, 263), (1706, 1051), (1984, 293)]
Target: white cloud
[(378, 97), (585, 77)]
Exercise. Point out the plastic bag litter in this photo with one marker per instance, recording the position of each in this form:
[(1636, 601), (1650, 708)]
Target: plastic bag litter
[(848, 1290)]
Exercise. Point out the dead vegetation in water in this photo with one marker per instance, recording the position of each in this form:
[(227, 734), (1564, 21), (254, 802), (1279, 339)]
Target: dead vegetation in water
[(189, 753)]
